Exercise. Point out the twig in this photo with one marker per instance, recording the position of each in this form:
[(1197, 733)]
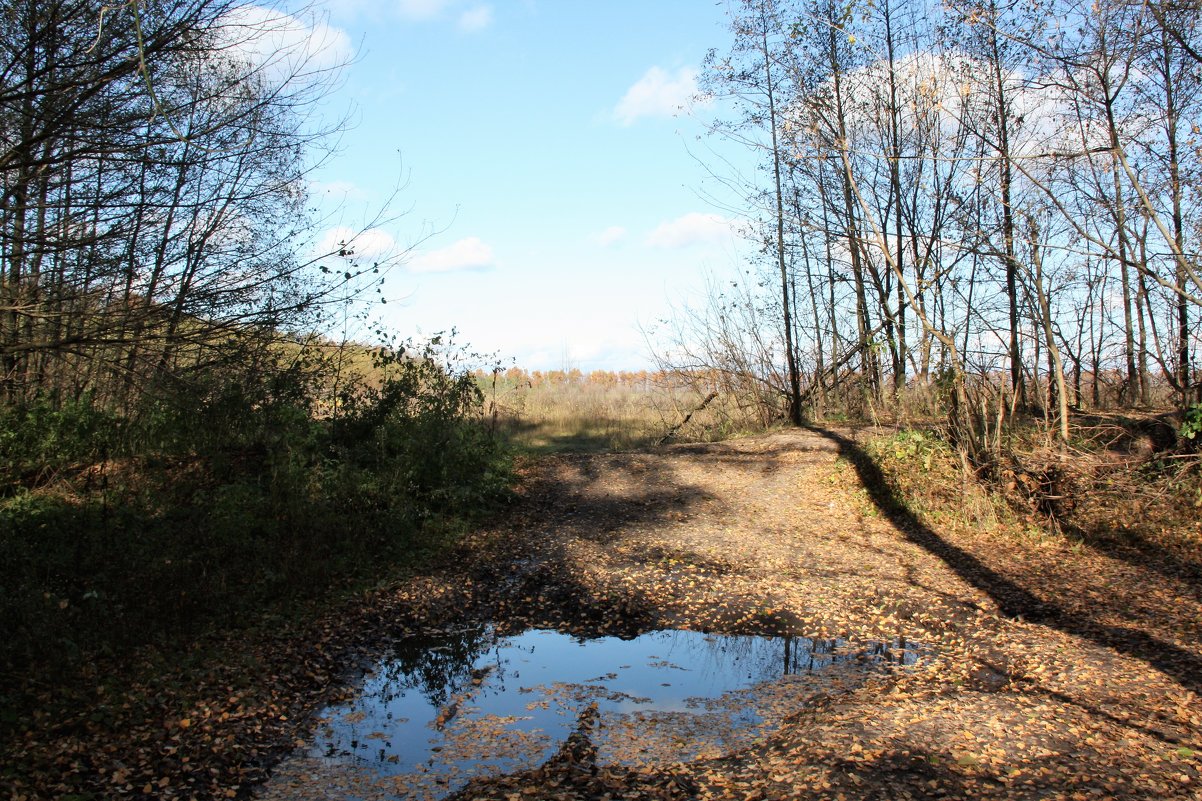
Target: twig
[(672, 431)]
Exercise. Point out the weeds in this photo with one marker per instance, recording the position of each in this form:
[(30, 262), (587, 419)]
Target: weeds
[(924, 470), (556, 411), (1127, 486), (1191, 424), (120, 532)]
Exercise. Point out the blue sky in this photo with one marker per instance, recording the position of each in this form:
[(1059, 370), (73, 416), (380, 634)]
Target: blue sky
[(552, 196)]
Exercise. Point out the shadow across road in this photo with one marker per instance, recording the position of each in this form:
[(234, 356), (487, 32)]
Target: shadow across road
[(1013, 598)]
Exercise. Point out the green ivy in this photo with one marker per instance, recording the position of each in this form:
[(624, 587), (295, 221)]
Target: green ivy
[(1191, 425)]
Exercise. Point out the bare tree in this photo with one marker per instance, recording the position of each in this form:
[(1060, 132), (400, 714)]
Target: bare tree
[(752, 77), (153, 211)]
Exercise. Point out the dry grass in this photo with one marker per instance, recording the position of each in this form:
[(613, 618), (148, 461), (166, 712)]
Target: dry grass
[(601, 411)]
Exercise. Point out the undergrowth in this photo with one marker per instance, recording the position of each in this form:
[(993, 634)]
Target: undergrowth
[(926, 474), (1124, 481), (234, 502)]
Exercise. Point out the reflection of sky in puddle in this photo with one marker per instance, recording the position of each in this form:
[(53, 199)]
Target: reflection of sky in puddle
[(440, 710)]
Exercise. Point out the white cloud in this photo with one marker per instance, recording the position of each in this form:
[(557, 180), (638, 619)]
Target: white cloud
[(283, 47), (657, 94), (943, 94), (610, 236), (588, 343), (695, 228), (476, 18), (466, 254), (347, 242)]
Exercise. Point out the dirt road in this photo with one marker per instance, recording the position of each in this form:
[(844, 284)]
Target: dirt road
[(1050, 670)]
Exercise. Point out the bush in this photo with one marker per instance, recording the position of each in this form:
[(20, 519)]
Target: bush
[(420, 436), (925, 473), (39, 438), (230, 500), (1191, 424)]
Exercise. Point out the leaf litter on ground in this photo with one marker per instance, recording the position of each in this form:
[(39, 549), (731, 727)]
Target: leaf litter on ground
[(1050, 671)]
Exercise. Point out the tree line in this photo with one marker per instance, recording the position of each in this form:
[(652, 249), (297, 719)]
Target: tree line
[(154, 219), (994, 201), (181, 448)]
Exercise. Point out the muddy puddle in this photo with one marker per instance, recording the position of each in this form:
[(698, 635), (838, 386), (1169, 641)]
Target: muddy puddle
[(442, 710)]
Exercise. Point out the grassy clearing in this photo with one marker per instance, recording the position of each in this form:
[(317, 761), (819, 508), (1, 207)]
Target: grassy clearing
[(570, 411)]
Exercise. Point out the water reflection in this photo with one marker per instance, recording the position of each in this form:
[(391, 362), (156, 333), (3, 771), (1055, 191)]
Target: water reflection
[(468, 702)]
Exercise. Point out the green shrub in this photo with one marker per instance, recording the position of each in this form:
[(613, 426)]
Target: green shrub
[(1191, 424), (910, 448), (232, 499), (41, 437)]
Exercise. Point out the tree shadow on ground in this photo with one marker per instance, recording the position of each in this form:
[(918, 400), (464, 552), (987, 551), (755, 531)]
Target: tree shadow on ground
[(910, 769), (1142, 549), (1121, 501), (551, 580), (1014, 599)]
